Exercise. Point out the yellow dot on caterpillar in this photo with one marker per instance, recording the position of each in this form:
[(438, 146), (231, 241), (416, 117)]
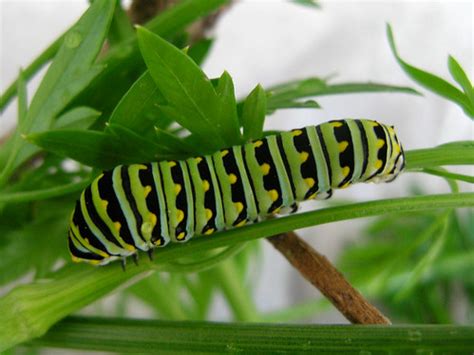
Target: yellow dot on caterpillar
[(336, 124), (179, 215), (117, 226), (296, 132), (208, 214), (158, 242), (273, 195), (205, 185), (94, 262), (378, 164), (310, 182), (257, 144), (313, 196), (181, 236), (343, 146), (239, 206), (304, 156), (146, 228), (209, 231), (380, 143), (171, 164), (75, 259), (152, 218), (241, 223), (177, 189), (147, 190), (224, 153), (277, 210), (265, 168), (104, 203), (232, 178), (130, 247), (345, 171), (198, 160)]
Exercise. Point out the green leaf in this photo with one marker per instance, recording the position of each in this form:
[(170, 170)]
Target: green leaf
[(71, 71), (120, 29), (141, 148), (77, 118), (172, 143), (253, 113), (91, 148), (192, 101), (430, 81), (461, 78), (36, 246), (137, 110), (228, 106)]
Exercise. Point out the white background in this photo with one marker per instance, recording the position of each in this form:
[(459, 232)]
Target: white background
[(269, 42)]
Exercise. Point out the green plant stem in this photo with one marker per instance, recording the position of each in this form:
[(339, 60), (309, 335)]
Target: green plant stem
[(36, 195), (449, 175), (235, 293), (127, 335), (443, 155)]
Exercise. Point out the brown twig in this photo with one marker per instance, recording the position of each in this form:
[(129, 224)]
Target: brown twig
[(318, 270)]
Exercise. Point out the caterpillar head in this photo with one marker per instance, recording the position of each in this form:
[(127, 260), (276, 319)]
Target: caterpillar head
[(396, 158)]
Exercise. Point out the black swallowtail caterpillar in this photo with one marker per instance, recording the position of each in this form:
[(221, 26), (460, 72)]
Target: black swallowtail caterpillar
[(143, 206)]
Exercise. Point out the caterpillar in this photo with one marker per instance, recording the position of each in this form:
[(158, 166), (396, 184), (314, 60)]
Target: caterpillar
[(143, 206)]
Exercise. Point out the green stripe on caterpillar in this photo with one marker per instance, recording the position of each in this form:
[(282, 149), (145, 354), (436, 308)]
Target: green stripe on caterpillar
[(143, 206)]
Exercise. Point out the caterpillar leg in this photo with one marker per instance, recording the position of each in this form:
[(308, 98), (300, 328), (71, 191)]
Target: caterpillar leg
[(324, 195), (289, 210)]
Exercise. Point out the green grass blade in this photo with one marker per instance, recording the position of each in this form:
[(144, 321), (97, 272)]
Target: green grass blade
[(253, 113), (71, 71), (133, 335), (458, 74), (430, 81), (449, 175), (310, 3), (191, 98), (22, 97), (286, 95)]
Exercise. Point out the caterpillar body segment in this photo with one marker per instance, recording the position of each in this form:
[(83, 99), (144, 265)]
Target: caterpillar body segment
[(143, 206)]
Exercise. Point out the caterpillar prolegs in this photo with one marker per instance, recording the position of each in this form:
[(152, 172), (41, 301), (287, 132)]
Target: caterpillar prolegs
[(143, 206)]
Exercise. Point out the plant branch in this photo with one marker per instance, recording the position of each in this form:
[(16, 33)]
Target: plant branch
[(318, 270)]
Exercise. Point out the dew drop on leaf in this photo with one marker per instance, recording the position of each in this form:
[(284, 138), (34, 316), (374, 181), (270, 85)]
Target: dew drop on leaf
[(73, 39)]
